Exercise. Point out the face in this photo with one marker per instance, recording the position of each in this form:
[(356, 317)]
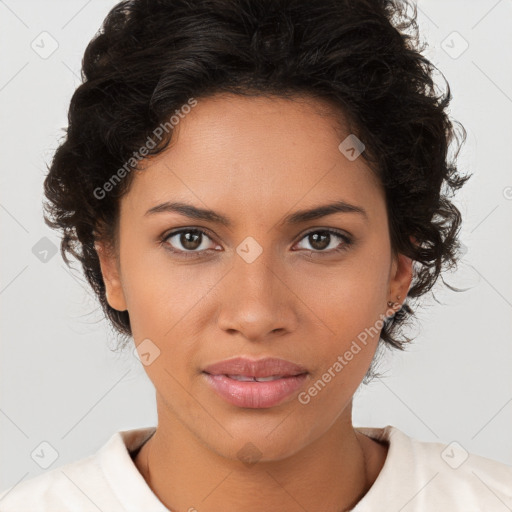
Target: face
[(310, 290)]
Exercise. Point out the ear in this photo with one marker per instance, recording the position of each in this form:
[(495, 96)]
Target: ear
[(401, 277), (111, 277)]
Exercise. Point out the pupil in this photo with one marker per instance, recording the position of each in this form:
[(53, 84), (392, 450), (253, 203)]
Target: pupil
[(186, 239), (321, 245)]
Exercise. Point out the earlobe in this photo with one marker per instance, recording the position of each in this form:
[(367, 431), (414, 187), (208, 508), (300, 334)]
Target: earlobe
[(110, 272)]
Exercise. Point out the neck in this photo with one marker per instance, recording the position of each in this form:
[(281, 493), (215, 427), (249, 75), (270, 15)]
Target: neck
[(331, 474)]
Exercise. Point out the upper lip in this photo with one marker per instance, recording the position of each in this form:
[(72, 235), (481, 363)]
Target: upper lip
[(266, 367)]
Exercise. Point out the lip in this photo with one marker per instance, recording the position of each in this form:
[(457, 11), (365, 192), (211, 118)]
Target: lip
[(252, 394), (265, 367)]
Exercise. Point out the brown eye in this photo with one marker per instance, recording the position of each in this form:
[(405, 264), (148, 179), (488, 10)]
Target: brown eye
[(319, 240), (187, 240)]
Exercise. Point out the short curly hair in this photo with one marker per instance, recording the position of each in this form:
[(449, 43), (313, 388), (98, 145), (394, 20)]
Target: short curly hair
[(364, 56)]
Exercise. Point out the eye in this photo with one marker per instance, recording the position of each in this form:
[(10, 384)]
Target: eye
[(322, 238), (192, 242)]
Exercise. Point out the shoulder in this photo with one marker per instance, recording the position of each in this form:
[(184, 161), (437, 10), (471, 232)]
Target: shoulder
[(422, 475), (464, 477), (105, 480), (57, 489)]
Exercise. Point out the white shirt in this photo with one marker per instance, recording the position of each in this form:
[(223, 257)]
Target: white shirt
[(417, 476)]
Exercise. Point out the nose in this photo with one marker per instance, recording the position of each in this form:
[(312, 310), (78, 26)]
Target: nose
[(256, 300)]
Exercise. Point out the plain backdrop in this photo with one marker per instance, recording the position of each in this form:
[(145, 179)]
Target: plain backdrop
[(61, 382)]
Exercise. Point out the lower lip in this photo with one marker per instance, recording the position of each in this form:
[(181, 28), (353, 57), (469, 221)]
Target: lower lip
[(255, 395)]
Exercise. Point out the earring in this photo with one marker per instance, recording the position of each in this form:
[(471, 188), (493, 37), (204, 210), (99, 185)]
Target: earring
[(394, 304)]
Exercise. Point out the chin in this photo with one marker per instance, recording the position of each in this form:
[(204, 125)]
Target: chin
[(259, 441)]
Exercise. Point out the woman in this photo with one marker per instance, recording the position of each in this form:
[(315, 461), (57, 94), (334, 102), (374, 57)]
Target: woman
[(255, 189)]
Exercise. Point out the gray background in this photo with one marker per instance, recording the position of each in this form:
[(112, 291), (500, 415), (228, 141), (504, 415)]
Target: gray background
[(60, 380)]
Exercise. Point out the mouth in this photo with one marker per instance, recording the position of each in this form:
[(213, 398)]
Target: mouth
[(252, 393), (255, 369), (247, 378), (255, 384)]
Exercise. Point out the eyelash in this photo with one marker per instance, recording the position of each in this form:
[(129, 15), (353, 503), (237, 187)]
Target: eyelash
[(197, 254)]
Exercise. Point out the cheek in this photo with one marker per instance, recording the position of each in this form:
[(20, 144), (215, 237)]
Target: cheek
[(349, 297), (350, 304), (149, 295), (352, 314), (164, 298)]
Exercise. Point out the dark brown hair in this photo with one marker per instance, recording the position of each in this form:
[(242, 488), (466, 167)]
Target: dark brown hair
[(151, 56)]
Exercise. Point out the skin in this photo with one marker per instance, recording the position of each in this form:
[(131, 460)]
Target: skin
[(255, 160)]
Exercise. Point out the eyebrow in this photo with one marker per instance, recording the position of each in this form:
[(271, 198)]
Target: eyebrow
[(300, 216)]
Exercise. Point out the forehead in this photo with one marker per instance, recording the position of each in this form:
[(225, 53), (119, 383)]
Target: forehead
[(256, 154)]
